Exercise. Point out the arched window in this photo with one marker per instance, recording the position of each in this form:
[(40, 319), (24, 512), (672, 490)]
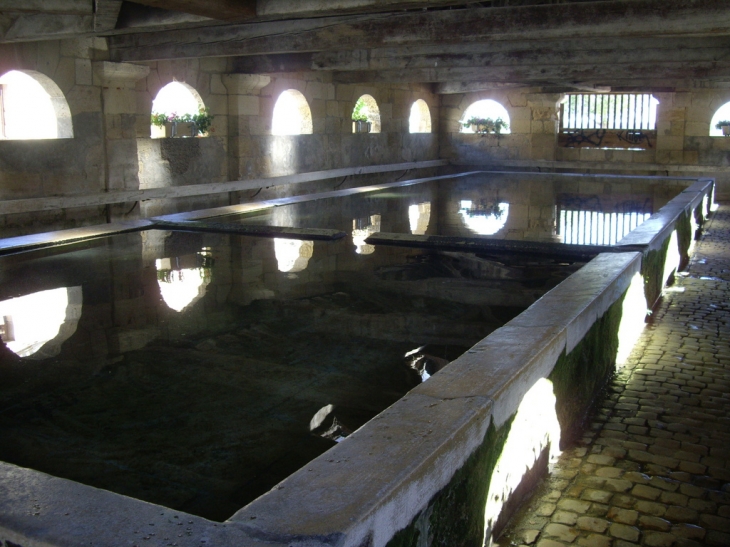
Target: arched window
[(292, 115), (722, 114), (486, 108), (366, 109), (32, 106), (174, 102), (420, 120)]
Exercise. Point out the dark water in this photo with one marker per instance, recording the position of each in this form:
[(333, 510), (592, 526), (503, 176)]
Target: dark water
[(267, 352)]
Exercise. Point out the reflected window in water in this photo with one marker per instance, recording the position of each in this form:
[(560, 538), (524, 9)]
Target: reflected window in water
[(582, 227), (419, 215), (484, 218), (292, 255), (363, 228), (183, 279), (35, 325)]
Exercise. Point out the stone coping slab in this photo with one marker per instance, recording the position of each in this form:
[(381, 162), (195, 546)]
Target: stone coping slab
[(506, 364), (653, 232), (28, 205), (63, 237)]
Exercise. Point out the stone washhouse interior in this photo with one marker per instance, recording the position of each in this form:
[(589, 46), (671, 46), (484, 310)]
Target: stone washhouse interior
[(355, 273)]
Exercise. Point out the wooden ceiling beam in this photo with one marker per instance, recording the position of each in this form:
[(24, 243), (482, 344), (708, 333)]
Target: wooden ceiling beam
[(620, 51), (590, 73), (591, 21), (223, 10)]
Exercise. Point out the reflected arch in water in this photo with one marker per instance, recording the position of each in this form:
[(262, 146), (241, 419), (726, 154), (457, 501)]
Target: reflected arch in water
[(35, 325), (183, 280), (420, 119), (534, 431), (292, 255), (292, 115), (362, 228), (33, 107), (419, 215), (482, 218)]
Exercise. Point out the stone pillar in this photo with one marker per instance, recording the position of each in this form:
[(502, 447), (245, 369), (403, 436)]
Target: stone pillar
[(544, 125), (244, 121), (123, 123)]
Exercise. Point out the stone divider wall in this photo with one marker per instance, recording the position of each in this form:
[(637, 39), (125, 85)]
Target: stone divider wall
[(420, 469)]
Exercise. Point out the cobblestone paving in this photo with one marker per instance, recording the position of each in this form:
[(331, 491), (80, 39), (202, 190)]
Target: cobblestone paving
[(654, 467)]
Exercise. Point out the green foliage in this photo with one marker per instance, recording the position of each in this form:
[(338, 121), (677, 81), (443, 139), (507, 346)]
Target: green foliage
[(482, 126), (359, 113), (202, 120), (160, 119), (722, 123)]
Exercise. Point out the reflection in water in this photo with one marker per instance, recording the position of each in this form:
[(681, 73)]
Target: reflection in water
[(292, 255), (362, 228), (419, 216), (183, 279), (590, 227), (325, 424), (42, 320), (484, 218)]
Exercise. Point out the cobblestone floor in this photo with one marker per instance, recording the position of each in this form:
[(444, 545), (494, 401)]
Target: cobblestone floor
[(654, 467)]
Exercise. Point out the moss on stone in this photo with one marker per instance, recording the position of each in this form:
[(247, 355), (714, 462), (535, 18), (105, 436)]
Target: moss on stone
[(457, 511), (684, 239), (455, 516), (652, 270), (581, 374)]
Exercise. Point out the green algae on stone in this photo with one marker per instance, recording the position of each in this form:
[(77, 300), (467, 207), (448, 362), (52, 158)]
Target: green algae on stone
[(580, 375), (457, 511), (652, 270), (684, 239)]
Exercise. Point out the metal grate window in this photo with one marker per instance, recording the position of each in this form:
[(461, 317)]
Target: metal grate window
[(580, 227), (622, 111)]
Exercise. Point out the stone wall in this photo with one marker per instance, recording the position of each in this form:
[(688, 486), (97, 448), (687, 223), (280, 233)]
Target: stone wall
[(682, 145), (112, 149)]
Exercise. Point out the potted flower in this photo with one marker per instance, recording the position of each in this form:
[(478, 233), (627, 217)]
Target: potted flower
[(187, 125), (724, 125), (360, 123), (203, 121), (482, 126), (164, 122)]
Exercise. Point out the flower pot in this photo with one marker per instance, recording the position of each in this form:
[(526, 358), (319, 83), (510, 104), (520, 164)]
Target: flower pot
[(361, 127), (184, 129), (726, 130)]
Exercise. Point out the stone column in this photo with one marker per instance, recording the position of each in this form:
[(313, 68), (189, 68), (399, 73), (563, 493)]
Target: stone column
[(544, 125), (244, 113), (123, 122)]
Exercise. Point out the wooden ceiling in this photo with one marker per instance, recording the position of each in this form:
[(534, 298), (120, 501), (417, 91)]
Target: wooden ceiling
[(456, 46)]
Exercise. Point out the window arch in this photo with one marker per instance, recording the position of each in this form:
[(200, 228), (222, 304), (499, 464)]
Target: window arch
[(292, 115), (176, 99), (32, 106), (486, 108), (420, 119), (722, 114), (367, 106)]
